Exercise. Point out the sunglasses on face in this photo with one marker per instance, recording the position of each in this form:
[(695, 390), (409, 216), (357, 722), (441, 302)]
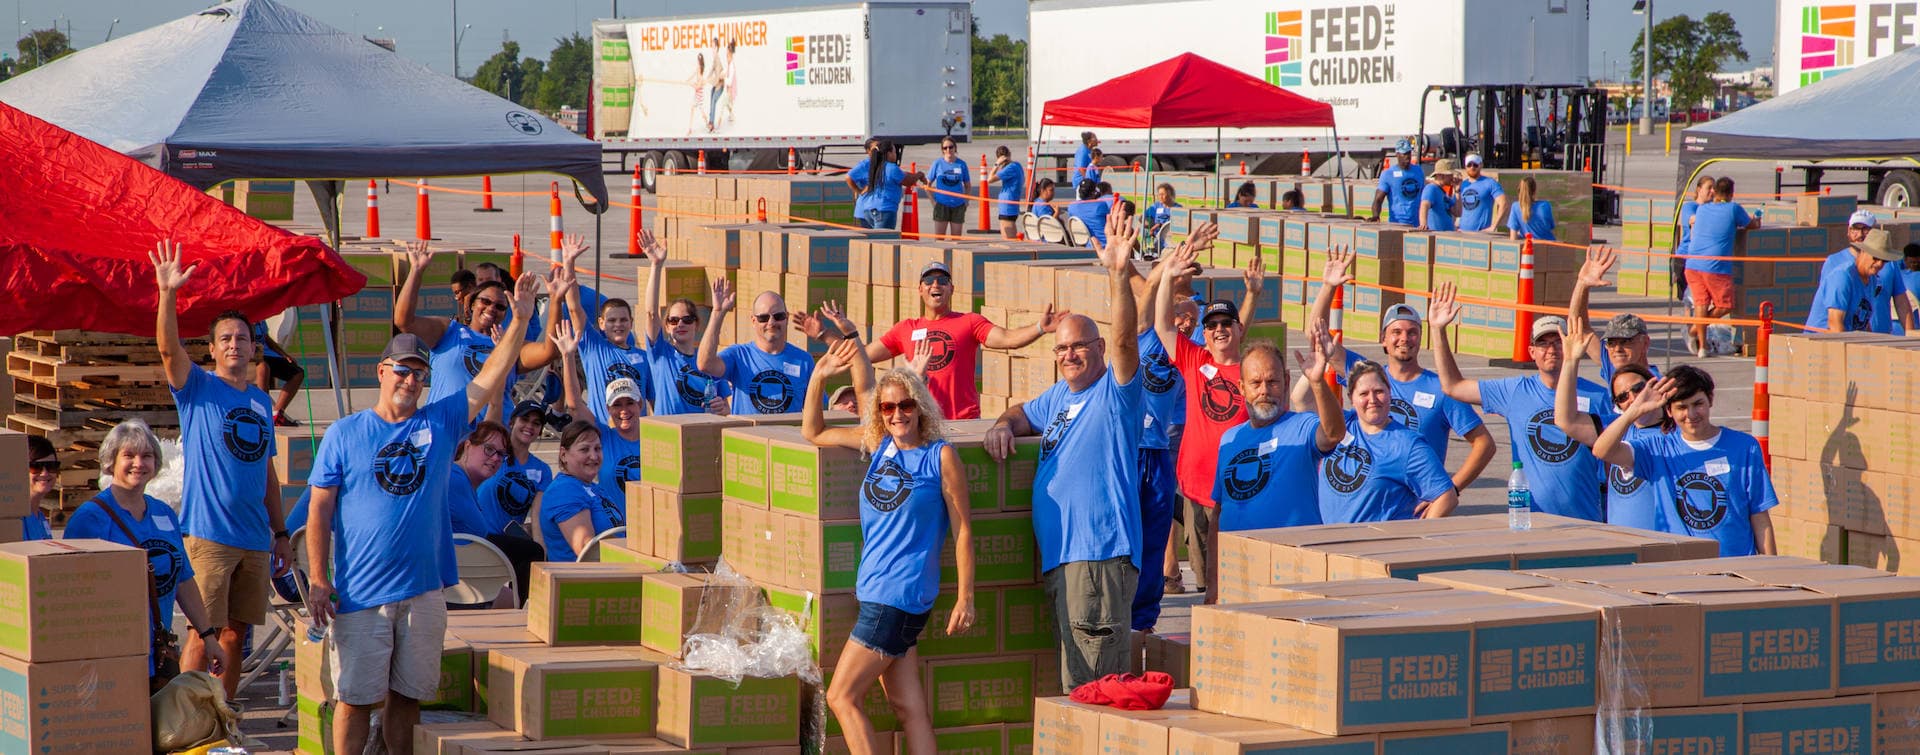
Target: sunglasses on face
[(44, 465), (936, 280), (403, 372), (498, 305), (903, 405), (771, 316), (1220, 324), (682, 320), (1628, 394)]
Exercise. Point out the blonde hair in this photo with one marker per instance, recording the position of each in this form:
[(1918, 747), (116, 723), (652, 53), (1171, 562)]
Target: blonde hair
[(933, 424), (1527, 190)]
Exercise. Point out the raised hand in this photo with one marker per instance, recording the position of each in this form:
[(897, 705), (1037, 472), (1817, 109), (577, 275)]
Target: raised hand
[(1653, 397), (1600, 260), (526, 293), (1339, 268), (922, 356), (1178, 261), (1202, 238), (562, 335), (651, 247), (558, 285), (418, 255), (722, 295), (571, 247), (811, 325), (1118, 252), (167, 273), (1051, 319), (1255, 276), (1578, 340), (1444, 309), (838, 359), (832, 311)]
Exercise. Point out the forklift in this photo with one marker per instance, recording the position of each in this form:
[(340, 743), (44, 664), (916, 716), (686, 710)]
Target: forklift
[(1527, 127)]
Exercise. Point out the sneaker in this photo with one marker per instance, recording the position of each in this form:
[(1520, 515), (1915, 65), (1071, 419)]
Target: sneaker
[(282, 420), (1174, 586)]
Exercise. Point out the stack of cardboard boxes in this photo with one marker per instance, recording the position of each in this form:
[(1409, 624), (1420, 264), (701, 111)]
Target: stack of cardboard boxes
[(73, 647), (689, 202), (365, 321)]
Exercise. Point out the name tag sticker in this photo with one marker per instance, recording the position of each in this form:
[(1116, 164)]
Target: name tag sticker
[(1148, 422), (164, 524), (1585, 404), (1073, 410), (536, 475), (422, 437), (791, 369), (1718, 467), (1269, 446), (1423, 399), (891, 452), (1209, 370), (919, 334), (259, 408)]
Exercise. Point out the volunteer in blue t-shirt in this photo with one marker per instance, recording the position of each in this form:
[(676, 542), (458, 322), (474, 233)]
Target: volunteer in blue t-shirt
[(1629, 500), (125, 514), (379, 515), (1702, 194), (1847, 293), (43, 487), (1380, 471), (575, 507), (1712, 480), (460, 346), (1159, 217), (1563, 474), (618, 438), (1482, 201), (950, 178), (1709, 270), (1086, 513), (1083, 158), (878, 184), (1399, 188), (514, 487), (1530, 216), (477, 462), (1438, 210), (1012, 194), (1092, 209), (1247, 197), (230, 496), (1043, 198), (1624, 339), (1265, 461), (674, 380), (1891, 306), (768, 374), (914, 493)]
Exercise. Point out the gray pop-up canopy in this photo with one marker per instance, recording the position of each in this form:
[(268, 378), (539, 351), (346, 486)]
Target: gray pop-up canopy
[(1868, 113), (254, 89)]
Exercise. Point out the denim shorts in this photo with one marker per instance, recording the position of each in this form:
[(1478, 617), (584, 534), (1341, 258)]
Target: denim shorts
[(879, 219), (887, 630)]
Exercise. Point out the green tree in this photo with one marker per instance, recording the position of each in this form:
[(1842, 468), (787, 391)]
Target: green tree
[(568, 75), (40, 47), (502, 74), (999, 80), (1688, 52)]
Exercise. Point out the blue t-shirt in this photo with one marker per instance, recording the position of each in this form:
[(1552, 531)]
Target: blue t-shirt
[(1564, 475), (226, 441), (1042, 209), (1013, 189), (463, 507), (1715, 225), (260, 341), (767, 383), (34, 527), (456, 360), (1713, 490), (1541, 226), (1242, 206), (566, 498), (1687, 209), (1166, 392), (1159, 214), (884, 197), (619, 463), (390, 506), (1402, 187), (1086, 490), (1094, 213), (1082, 160), (1379, 477), (508, 495), (678, 386), (1262, 471), (1886, 285), (1477, 198), (949, 176), (1631, 502), (605, 362), (1422, 406), (1440, 211), (1607, 372), (903, 523), (1841, 289), (159, 535)]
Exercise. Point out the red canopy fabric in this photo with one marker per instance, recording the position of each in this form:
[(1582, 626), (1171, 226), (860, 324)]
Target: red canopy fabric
[(1186, 91), (77, 221)]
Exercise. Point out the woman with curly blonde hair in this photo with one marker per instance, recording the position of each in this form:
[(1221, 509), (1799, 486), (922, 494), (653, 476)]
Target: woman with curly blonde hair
[(915, 491)]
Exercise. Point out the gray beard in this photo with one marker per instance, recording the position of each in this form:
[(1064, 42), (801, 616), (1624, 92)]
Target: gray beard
[(1264, 413)]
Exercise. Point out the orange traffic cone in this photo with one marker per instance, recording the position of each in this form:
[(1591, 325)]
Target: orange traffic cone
[(422, 214), (373, 209)]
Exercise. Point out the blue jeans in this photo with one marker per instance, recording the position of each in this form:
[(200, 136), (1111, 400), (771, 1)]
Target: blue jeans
[(1157, 500), (880, 219), (886, 630)]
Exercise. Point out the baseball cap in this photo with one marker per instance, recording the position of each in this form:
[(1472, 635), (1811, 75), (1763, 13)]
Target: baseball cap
[(1397, 313), (1550, 324), (1220, 307), (1473, 158), (839, 393), (529, 407), (1879, 245), (622, 388), (405, 346), (1624, 325), (1403, 148), (936, 267), (1864, 217)]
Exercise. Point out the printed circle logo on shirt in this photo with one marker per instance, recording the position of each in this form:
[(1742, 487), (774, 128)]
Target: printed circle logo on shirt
[(246, 434), (887, 486), (1547, 442), (683, 383), (1621, 480), (166, 562), (617, 370), (1403, 413), (515, 493), (400, 467), (1409, 185), (614, 514), (1247, 474), (1056, 431), (1160, 373), (1346, 468), (1470, 198), (942, 345), (474, 356), (1220, 398), (1700, 500), (769, 391), (629, 469)]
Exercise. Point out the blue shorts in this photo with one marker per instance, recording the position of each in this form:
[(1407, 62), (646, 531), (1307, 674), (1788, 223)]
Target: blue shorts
[(887, 630), (879, 219)]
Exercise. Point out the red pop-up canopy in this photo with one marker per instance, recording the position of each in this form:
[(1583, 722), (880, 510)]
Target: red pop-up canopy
[(1186, 91), (77, 221)]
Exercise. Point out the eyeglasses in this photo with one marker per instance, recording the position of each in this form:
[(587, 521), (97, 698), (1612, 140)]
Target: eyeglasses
[(903, 405), (1628, 394), (948, 148), (773, 316), (936, 280), (403, 372), (1080, 346), (498, 305), (1223, 324), (493, 451), (44, 465), (683, 320)]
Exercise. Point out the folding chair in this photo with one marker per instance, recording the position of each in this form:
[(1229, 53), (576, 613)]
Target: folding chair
[(483, 570), (591, 553), (1078, 234), (1051, 231), (1030, 226)]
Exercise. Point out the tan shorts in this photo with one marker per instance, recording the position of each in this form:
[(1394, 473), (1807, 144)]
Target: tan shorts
[(233, 581), (395, 647)]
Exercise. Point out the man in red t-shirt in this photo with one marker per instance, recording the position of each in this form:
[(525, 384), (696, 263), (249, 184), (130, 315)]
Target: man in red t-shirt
[(1213, 404), (955, 339)]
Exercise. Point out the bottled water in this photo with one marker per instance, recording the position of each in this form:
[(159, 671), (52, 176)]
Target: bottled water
[(1519, 500), (318, 634)]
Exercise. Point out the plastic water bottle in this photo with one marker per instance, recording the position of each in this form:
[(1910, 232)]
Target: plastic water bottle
[(317, 634), (1519, 501)]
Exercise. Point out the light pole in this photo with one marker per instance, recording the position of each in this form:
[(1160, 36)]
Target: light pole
[(1645, 8), (456, 37)]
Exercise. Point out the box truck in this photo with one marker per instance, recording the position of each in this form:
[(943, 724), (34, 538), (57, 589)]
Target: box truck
[(745, 88), (1819, 39)]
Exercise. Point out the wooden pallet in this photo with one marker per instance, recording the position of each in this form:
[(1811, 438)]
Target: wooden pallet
[(88, 413), (49, 369), (122, 394), (60, 437)]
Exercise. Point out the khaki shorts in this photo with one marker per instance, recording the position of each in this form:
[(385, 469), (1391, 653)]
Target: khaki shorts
[(395, 647), (234, 582)]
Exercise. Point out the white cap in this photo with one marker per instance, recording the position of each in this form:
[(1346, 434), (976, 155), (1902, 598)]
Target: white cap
[(1864, 217), (622, 388), (1472, 158)]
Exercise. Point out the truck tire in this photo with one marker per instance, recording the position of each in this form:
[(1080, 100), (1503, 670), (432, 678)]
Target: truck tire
[(1900, 188), (676, 161), (651, 162)]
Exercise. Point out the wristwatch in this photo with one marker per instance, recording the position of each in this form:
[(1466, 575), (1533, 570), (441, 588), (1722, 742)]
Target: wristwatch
[(283, 533), (208, 632)]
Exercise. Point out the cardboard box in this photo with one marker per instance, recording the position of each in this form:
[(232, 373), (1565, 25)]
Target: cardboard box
[(675, 605), (1569, 735), (561, 693), (72, 599), (743, 465), (1004, 551), (983, 638), (586, 603), (812, 554), (1027, 622), (440, 738), (1493, 738), (965, 692), (1769, 644), (1897, 722), (990, 739), (827, 619), (880, 713), (96, 705), (697, 710), (1064, 727), (1839, 725), (620, 550), (812, 480), (314, 729), (1878, 633), (1171, 654), (456, 678), (686, 526), (683, 451), (1533, 661)]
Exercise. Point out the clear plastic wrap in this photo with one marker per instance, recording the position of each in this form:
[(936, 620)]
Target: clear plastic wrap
[(737, 635)]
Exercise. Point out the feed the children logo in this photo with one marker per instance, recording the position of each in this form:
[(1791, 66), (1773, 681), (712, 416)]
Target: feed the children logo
[(819, 59)]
